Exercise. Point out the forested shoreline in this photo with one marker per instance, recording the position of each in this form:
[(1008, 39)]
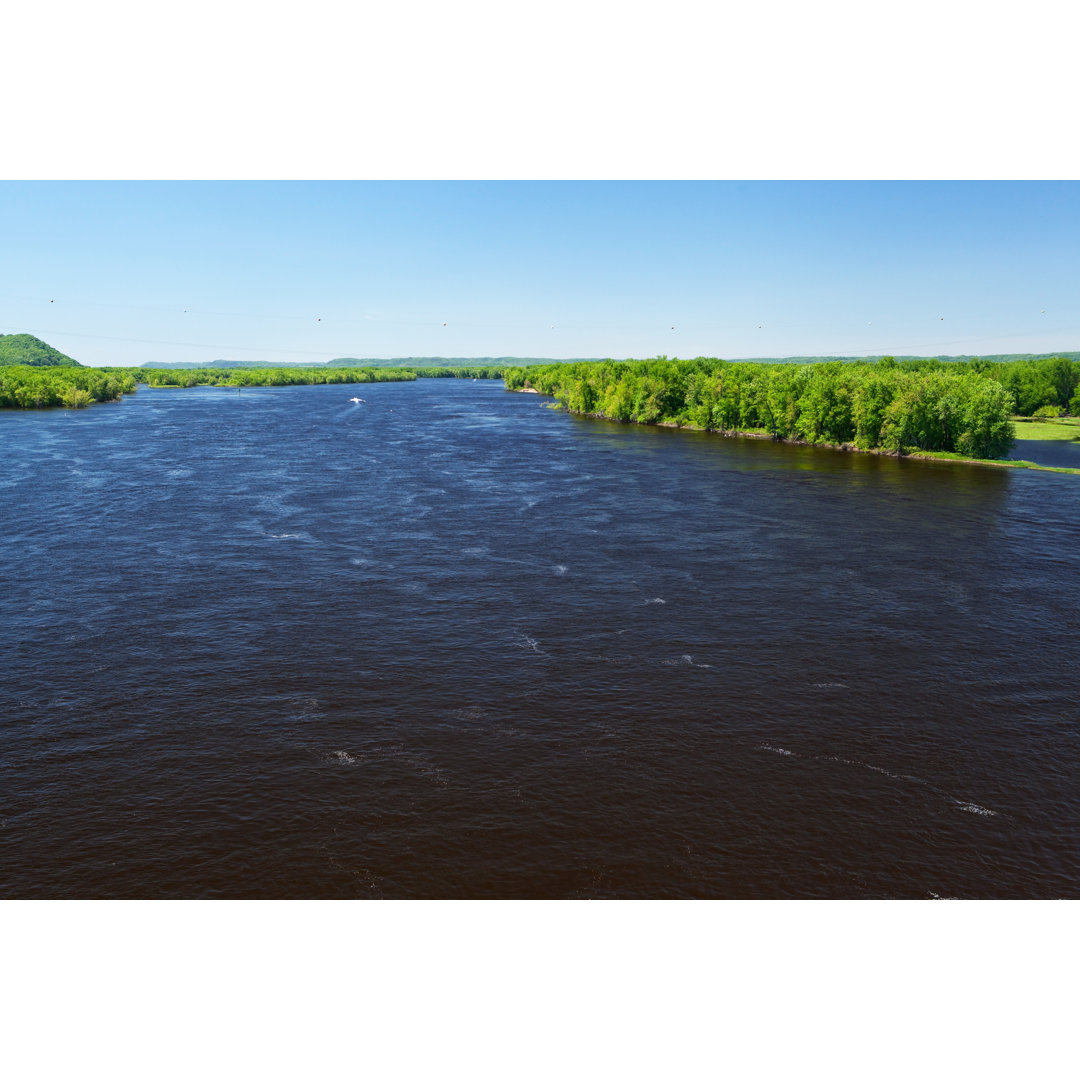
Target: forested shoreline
[(297, 376), (894, 406), (276, 376), (904, 406), (24, 386)]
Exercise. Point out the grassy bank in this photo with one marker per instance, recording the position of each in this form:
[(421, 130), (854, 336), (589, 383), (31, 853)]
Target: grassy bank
[(1029, 427)]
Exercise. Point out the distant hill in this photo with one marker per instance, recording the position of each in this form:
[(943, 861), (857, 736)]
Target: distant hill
[(356, 362), (231, 365), (1005, 358), (997, 358), (27, 349), (454, 361), (523, 361)]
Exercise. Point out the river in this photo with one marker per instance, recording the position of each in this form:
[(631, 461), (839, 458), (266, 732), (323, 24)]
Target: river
[(450, 643)]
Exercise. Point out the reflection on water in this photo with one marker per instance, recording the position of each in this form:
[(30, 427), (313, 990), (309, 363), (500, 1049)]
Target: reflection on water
[(445, 643)]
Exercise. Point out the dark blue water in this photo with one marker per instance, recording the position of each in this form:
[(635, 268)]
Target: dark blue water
[(450, 643), (1060, 453)]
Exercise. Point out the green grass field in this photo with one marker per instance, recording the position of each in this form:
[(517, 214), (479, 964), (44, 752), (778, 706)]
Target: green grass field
[(1027, 427)]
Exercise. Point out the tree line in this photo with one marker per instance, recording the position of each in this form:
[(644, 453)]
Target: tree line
[(887, 405), (300, 376), (1048, 384), (272, 376), (474, 372), (912, 404), (27, 387)]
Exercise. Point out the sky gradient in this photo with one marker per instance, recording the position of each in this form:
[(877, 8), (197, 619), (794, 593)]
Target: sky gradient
[(130, 272)]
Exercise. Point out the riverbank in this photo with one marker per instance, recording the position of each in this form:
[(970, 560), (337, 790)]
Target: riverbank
[(850, 448)]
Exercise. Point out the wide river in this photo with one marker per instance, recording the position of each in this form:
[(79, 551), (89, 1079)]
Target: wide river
[(451, 643)]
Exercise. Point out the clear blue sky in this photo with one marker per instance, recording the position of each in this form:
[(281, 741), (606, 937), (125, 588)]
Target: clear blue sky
[(124, 273)]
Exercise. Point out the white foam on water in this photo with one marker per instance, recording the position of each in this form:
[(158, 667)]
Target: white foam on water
[(685, 660), (284, 536), (776, 750), (961, 804), (341, 757), (830, 686), (559, 569), (656, 600), (530, 643), (877, 769)]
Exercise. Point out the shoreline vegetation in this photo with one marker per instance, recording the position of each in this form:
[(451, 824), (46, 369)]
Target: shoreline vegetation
[(24, 386), (847, 448), (960, 412), (963, 411)]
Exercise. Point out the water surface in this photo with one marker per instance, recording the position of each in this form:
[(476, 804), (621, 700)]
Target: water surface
[(450, 643), (1060, 453)]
